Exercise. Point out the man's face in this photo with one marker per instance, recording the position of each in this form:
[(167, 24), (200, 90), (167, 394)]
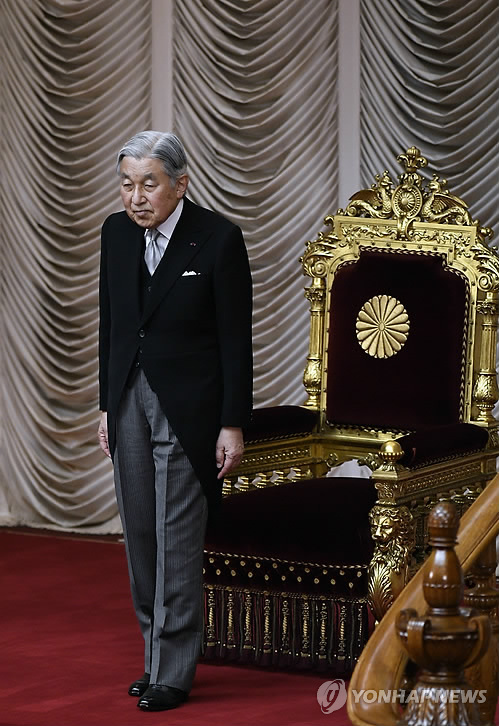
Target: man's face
[(146, 191)]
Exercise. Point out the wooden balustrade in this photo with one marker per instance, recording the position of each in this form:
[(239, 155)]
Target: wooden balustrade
[(484, 598), (382, 665), (446, 639)]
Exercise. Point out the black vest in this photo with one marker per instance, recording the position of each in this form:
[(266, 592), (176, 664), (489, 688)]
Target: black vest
[(144, 290)]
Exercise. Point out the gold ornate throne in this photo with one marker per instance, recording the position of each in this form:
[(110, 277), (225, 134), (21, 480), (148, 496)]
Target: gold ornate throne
[(401, 375)]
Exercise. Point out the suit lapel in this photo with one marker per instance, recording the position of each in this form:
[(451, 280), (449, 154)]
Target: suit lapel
[(129, 262), (185, 243)]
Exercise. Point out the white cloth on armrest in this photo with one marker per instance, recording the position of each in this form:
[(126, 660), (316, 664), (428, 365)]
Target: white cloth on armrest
[(351, 468)]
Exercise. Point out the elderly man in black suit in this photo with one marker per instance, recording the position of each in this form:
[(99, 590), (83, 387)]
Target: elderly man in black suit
[(176, 389)]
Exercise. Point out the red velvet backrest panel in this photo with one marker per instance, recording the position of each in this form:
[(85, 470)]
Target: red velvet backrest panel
[(421, 384)]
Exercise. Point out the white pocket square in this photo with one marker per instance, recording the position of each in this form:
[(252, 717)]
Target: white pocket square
[(190, 272)]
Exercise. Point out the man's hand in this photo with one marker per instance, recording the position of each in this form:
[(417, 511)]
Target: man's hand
[(230, 447), (102, 434)]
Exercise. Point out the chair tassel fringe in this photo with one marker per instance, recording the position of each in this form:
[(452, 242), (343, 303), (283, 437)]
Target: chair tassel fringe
[(285, 630)]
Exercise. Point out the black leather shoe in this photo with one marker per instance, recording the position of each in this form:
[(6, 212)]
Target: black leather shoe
[(162, 698), (139, 686)]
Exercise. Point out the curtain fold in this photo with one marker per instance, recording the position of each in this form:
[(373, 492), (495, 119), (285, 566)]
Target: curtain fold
[(255, 103), (429, 74)]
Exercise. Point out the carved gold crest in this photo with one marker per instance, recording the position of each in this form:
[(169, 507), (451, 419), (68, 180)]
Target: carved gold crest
[(382, 326)]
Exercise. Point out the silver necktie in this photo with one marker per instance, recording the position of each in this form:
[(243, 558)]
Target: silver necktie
[(154, 249)]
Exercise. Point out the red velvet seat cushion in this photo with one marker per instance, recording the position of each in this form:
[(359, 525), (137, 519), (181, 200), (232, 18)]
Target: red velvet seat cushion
[(319, 525), (280, 422), (438, 443)]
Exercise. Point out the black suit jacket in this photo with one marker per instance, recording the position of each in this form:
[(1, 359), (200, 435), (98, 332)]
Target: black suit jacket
[(193, 331)]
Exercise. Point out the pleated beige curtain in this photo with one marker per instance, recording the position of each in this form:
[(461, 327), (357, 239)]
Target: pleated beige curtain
[(74, 82), (430, 78), (255, 103)]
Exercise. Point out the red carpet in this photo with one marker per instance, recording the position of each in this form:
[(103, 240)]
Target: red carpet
[(70, 646)]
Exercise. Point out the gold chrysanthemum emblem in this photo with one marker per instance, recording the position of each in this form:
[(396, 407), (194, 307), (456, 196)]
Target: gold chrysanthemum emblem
[(382, 326)]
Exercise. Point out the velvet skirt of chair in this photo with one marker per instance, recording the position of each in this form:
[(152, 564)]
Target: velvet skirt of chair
[(286, 575)]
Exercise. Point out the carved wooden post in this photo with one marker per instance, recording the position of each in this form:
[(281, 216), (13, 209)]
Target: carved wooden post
[(486, 393), (447, 639), (392, 531), (312, 377), (393, 534), (484, 598)]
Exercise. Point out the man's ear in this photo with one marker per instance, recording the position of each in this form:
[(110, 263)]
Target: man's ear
[(182, 184)]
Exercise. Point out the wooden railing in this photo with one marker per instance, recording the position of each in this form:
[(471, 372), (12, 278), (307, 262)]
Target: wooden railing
[(383, 662)]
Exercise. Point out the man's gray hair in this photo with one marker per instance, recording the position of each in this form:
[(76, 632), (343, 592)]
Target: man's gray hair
[(164, 146)]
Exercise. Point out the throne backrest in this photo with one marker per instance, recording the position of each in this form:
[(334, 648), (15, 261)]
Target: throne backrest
[(404, 303), (397, 339)]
